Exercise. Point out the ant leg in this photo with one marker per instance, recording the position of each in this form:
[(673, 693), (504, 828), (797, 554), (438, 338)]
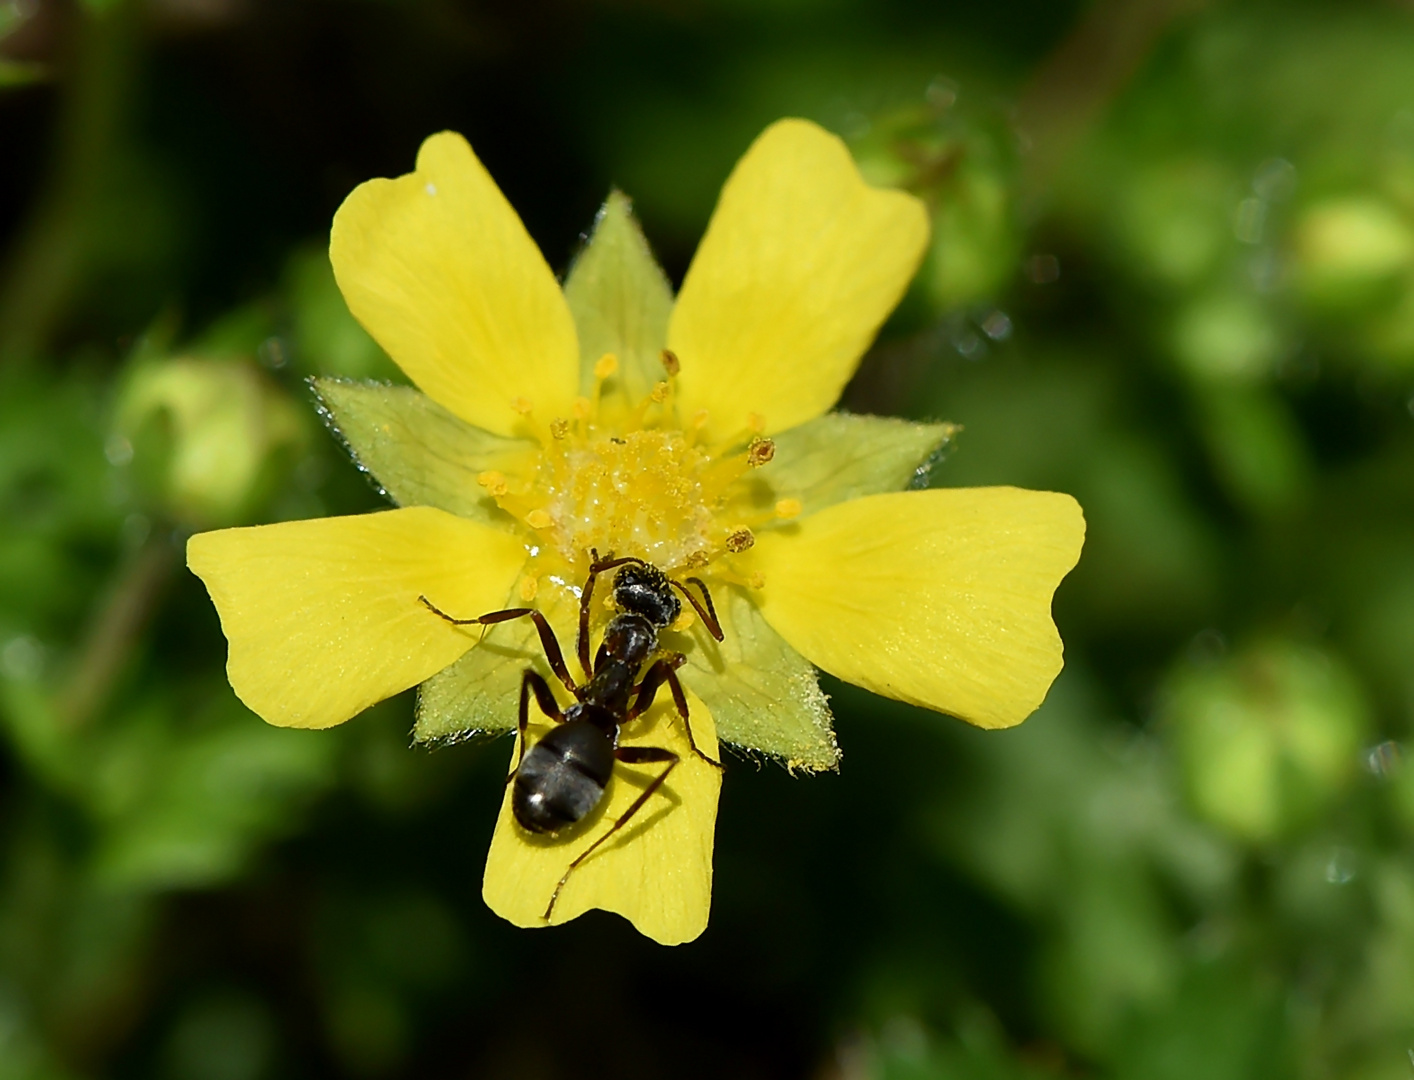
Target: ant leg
[(582, 642), (548, 641), (709, 615), (629, 755), (666, 670), (596, 567), (531, 680), (680, 700)]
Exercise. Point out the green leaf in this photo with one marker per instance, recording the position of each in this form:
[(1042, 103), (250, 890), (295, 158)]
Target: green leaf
[(20, 73), (839, 456), (620, 300), (764, 695), (479, 693), (420, 454)]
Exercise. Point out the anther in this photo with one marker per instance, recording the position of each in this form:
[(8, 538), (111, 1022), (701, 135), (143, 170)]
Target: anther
[(697, 560), (539, 519), (583, 407), (740, 540), (671, 364), (659, 393), (606, 365), (760, 451), (755, 422), (529, 588), (494, 482), (559, 428), (788, 508), (521, 405), (758, 580), (699, 419)]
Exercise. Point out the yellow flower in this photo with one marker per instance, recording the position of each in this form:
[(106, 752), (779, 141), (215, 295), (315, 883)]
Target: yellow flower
[(692, 433)]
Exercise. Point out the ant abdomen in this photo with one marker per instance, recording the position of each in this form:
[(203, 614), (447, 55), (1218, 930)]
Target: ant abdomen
[(562, 777)]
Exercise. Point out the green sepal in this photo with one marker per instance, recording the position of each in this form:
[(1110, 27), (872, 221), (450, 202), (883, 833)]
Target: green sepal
[(840, 456), (764, 696), (418, 452), (478, 694), (620, 299)]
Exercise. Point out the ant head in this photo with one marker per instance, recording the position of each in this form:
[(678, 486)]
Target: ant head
[(645, 590)]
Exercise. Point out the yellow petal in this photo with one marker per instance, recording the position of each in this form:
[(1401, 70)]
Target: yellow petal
[(801, 263), (323, 616), (940, 598), (439, 269), (657, 872)]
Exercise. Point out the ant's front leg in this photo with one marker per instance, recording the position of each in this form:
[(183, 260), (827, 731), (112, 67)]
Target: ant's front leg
[(666, 670), (548, 641), (597, 566), (629, 755), (531, 680)]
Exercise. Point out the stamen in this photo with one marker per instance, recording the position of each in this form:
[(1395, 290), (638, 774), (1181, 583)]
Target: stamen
[(759, 451), (559, 428), (605, 366), (660, 392), (788, 508), (739, 540), (522, 406), (671, 364), (582, 408), (697, 560), (758, 580), (494, 482), (539, 519), (529, 588), (755, 422)]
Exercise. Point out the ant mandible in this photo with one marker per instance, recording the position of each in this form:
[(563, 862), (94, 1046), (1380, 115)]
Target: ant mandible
[(562, 778)]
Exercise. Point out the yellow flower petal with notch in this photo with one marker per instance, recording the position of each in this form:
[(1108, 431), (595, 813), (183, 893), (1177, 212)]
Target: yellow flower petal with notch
[(657, 872), (801, 263), (323, 618), (939, 598), (438, 268)]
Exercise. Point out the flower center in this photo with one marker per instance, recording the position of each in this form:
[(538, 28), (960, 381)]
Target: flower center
[(649, 493), (633, 481)]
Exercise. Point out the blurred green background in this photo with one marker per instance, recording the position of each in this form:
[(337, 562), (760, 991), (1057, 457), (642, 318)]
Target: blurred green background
[(1173, 274)]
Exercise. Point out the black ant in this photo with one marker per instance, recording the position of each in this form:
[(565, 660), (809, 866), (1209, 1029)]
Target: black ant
[(563, 777)]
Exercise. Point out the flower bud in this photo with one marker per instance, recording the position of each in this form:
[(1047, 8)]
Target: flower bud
[(1266, 739), (205, 437), (1351, 253)]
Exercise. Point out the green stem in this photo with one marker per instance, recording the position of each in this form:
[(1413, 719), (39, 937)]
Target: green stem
[(46, 265)]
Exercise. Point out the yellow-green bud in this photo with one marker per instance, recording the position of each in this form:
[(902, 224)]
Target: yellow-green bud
[(202, 436)]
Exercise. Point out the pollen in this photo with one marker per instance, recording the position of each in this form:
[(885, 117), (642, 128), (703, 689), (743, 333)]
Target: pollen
[(788, 508), (759, 452), (494, 482)]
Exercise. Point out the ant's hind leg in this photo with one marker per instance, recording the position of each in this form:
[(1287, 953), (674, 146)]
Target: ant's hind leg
[(629, 755), (531, 681)]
